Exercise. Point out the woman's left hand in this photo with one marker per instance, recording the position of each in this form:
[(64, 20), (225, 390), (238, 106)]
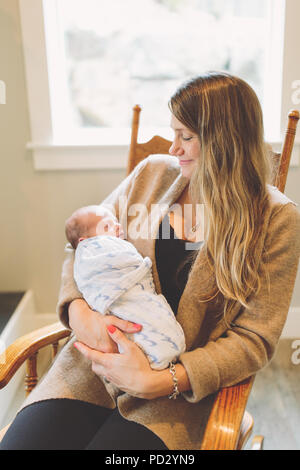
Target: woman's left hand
[(130, 371)]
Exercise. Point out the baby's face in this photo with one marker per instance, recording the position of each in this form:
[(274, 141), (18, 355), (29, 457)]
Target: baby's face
[(104, 224)]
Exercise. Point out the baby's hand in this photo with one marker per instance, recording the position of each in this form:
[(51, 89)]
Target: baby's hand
[(114, 230), (109, 225), (119, 231)]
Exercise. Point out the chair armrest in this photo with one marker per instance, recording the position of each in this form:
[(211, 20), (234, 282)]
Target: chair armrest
[(26, 346), (224, 424)]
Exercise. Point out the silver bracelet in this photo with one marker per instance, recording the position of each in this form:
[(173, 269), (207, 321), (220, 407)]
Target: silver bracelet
[(175, 392)]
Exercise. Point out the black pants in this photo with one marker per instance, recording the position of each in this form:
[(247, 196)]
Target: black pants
[(75, 425)]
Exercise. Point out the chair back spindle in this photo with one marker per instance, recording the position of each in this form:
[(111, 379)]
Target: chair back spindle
[(139, 151), (287, 149)]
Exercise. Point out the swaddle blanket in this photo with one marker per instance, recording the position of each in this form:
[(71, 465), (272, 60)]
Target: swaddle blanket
[(115, 279)]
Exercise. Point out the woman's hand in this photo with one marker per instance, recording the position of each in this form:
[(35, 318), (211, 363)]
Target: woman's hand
[(90, 327), (130, 371)]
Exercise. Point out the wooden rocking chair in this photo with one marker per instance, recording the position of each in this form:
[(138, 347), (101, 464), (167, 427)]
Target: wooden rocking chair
[(229, 425)]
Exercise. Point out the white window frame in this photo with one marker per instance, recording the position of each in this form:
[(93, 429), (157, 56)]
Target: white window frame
[(39, 53)]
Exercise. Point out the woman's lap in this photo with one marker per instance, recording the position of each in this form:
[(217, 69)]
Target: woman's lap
[(72, 425)]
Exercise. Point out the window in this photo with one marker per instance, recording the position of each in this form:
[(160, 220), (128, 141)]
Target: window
[(119, 53), (88, 62)]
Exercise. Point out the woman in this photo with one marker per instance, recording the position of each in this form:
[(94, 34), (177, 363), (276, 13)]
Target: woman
[(231, 298)]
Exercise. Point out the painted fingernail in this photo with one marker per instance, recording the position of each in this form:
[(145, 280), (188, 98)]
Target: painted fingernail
[(111, 328), (136, 325)]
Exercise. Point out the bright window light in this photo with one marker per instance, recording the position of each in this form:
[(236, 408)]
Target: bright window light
[(111, 55)]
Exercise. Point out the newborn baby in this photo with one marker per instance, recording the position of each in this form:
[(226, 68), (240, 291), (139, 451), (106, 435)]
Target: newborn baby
[(115, 279)]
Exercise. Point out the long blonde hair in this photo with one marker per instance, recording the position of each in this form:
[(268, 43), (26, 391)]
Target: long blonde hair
[(231, 176)]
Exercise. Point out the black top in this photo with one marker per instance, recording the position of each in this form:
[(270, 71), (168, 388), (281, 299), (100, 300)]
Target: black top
[(173, 258)]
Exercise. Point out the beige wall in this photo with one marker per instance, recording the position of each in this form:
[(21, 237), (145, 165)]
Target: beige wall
[(34, 204)]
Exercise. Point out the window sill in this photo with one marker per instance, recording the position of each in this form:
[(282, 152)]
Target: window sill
[(52, 157), (101, 149), (95, 156)]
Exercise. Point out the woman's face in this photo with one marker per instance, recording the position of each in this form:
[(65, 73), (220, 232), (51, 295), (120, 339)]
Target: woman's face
[(186, 147)]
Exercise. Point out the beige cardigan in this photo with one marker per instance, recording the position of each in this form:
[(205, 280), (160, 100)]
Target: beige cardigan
[(217, 356)]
